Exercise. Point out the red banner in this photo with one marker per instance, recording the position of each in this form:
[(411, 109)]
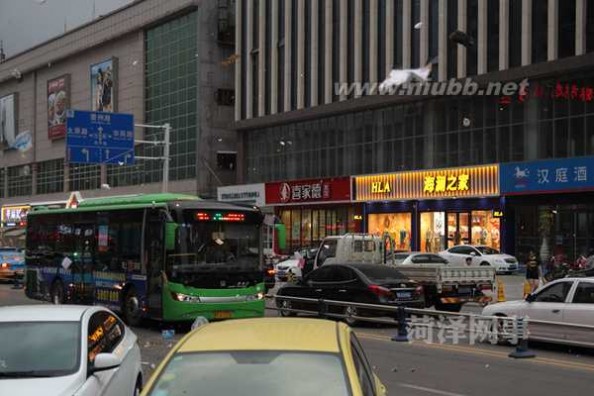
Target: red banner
[(309, 191)]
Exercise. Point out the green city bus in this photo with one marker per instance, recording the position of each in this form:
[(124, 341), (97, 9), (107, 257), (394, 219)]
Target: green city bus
[(168, 257)]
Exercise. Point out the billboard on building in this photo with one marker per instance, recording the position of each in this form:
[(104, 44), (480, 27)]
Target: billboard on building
[(14, 216), (569, 174), (308, 191), (8, 121), (58, 100), (103, 85)]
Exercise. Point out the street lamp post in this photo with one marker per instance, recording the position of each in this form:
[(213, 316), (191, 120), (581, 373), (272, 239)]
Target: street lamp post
[(166, 142)]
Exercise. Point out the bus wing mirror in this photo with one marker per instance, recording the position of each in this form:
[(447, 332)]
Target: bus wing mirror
[(170, 233)]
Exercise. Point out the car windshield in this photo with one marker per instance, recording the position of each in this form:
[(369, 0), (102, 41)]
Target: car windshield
[(401, 256), (486, 250), (378, 273), (252, 373), (52, 349)]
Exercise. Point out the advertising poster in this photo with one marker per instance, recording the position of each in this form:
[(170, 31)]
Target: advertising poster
[(7, 121), (58, 96), (103, 86)]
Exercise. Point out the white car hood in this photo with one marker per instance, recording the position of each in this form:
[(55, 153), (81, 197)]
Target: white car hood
[(57, 386), (288, 263), (503, 307)]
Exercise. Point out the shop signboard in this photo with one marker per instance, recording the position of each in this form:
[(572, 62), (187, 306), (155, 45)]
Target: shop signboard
[(14, 216), (477, 181), (253, 194), (571, 174), (308, 191)]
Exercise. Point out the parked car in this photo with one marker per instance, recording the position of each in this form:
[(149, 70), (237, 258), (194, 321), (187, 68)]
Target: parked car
[(409, 258), (481, 255), (567, 301), (267, 356), (300, 264), (361, 283), (12, 263), (67, 350)]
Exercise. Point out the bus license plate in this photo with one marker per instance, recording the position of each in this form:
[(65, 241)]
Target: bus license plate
[(222, 314)]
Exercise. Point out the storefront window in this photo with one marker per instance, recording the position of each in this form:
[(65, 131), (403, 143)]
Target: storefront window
[(486, 229), (433, 232), (398, 225)]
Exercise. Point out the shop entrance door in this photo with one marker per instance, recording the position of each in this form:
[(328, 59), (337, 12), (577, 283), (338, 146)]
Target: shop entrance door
[(458, 228)]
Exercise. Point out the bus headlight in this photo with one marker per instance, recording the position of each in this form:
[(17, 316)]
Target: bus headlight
[(254, 297), (184, 297)]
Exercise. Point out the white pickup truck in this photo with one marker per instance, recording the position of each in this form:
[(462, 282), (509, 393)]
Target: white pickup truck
[(446, 287)]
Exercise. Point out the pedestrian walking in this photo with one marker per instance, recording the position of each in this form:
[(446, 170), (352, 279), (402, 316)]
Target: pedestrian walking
[(533, 272)]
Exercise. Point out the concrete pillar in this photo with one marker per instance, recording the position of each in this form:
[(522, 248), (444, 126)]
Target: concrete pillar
[(358, 75), (482, 37), (424, 33), (262, 59), (343, 44), (503, 34), (238, 49), (389, 37), (406, 36), (581, 7), (328, 83), (274, 59), (314, 58), (288, 47), (373, 41), (526, 32), (249, 97), (553, 30), (300, 54), (462, 26)]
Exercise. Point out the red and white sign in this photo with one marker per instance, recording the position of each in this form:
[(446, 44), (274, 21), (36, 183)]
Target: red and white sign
[(309, 191)]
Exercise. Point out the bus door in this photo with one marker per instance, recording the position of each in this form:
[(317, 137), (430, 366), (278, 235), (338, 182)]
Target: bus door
[(83, 263), (154, 257)]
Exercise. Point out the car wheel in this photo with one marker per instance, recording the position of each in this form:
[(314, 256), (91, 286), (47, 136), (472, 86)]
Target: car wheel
[(284, 307), (57, 293), (131, 312), (349, 312), (501, 327), (484, 264), (448, 307)]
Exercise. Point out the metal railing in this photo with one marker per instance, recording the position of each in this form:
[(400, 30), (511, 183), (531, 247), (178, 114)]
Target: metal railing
[(413, 324)]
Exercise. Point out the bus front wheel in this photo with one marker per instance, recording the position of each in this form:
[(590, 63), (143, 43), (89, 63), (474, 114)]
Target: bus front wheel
[(57, 293), (131, 311)]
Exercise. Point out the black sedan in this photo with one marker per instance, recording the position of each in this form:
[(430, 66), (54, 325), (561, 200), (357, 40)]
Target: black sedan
[(360, 283)]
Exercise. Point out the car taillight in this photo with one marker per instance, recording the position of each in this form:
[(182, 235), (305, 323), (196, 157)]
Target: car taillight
[(270, 271), (4, 265), (381, 292), (419, 290)]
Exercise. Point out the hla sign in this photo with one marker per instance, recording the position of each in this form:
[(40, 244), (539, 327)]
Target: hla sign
[(381, 187)]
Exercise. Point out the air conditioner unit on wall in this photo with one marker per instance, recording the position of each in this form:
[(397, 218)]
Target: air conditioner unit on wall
[(225, 97)]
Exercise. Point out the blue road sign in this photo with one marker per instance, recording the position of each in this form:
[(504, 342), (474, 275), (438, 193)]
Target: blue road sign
[(94, 137)]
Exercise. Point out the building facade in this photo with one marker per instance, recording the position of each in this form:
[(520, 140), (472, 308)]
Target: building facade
[(299, 113), (163, 62)]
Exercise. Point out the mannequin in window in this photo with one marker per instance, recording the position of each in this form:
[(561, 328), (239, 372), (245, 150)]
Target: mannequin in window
[(428, 240), (403, 235), (484, 235)]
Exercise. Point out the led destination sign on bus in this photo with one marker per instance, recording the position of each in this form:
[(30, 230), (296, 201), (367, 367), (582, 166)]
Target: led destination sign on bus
[(219, 216)]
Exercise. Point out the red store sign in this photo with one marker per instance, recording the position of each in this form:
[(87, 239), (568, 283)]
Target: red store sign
[(309, 191)]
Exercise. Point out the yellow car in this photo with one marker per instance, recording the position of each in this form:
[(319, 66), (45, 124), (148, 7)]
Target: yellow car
[(266, 356)]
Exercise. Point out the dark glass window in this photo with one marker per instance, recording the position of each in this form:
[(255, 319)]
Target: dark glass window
[(255, 56), (307, 53), (50, 176), (20, 181), (105, 333), (243, 58), (268, 59), (226, 160), (472, 31), (493, 35), (335, 46), (567, 28), (351, 42), (589, 26), (452, 47), (415, 34), (433, 29), (515, 33), (539, 31), (398, 33), (84, 177), (294, 60), (321, 50)]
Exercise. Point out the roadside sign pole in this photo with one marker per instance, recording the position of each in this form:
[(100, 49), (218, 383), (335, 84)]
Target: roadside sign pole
[(166, 143)]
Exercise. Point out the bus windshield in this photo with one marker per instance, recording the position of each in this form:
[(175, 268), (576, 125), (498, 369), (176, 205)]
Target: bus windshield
[(215, 253)]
